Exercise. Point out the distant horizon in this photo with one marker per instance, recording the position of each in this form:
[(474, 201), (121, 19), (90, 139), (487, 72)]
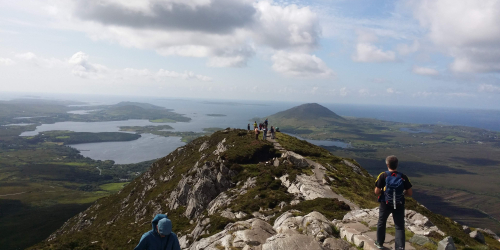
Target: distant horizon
[(5, 96), (473, 117)]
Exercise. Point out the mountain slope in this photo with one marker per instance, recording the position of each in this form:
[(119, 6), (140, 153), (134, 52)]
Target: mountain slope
[(226, 184), (306, 116)]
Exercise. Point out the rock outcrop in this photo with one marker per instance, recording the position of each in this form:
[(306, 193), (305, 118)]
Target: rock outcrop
[(202, 185), (477, 236), (312, 231), (446, 244), (414, 222)]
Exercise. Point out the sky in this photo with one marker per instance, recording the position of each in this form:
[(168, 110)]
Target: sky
[(410, 52)]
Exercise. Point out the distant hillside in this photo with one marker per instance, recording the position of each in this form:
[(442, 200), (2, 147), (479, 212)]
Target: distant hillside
[(136, 110), (139, 104), (306, 116)]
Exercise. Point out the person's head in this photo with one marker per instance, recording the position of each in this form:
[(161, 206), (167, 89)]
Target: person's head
[(392, 162), (164, 227)]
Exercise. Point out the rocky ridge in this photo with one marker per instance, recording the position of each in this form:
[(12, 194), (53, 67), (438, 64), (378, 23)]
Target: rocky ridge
[(228, 191)]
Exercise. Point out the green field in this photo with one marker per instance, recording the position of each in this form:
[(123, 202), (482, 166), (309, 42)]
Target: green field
[(113, 187), (44, 183)]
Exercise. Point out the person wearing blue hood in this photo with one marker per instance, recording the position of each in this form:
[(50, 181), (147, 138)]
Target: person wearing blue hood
[(160, 237)]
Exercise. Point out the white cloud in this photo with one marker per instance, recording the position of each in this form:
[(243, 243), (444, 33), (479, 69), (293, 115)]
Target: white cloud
[(344, 91), (32, 59), (313, 90), (424, 94), (227, 32), (83, 68), (364, 92), (80, 65), (300, 65), (6, 61), (425, 71), (392, 91), (187, 75), (467, 30), (366, 52), (405, 49), (488, 88), (460, 94), (288, 26), (27, 56), (365, 36)]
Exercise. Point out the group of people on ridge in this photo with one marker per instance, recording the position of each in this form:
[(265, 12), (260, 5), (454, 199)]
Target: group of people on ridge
[(391, 187), (263, 126)]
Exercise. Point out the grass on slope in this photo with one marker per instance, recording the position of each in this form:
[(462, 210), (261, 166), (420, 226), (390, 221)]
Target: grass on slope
[(115, 226), (353, 186)]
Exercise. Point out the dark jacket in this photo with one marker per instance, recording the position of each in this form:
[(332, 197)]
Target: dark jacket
[(153, 241)]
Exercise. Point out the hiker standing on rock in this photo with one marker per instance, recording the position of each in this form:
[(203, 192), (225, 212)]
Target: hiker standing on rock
[(160, 237), (392, 186), (248, 127), (272, 132)]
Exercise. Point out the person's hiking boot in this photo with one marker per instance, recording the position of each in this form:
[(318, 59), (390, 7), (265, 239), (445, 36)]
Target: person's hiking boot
[(378, 245)]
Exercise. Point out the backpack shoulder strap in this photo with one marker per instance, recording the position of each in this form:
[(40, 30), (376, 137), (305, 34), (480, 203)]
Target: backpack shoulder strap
[(395, 174)]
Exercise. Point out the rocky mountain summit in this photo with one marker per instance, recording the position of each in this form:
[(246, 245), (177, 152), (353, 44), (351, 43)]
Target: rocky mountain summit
[(230, 191)]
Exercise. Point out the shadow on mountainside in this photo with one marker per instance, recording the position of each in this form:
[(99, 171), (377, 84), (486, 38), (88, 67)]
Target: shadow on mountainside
[(22, 225), (410, 168), (476, 161), (466, 216)]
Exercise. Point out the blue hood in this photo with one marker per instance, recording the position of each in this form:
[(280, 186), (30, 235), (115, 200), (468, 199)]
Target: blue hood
[(165, 226), (155, 221), (152, 240)]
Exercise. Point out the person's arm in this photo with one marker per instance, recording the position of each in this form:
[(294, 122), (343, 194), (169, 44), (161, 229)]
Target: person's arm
[(408, 186), (379, 183), (176, 245), (408, 192), (143, 243)]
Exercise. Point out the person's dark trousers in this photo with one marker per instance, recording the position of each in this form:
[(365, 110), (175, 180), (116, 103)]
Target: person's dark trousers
[(398, 215)]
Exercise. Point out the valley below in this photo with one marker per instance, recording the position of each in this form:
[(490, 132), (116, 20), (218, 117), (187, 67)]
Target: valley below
[(47, 175)]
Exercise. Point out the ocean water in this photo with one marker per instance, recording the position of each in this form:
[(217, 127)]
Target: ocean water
[(485, 119)]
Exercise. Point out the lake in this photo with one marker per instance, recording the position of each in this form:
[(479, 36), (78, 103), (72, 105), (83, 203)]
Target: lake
[(146, 148), (326, 143)]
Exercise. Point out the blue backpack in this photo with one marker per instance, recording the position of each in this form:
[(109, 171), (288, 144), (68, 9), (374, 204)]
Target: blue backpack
[(394, 188)]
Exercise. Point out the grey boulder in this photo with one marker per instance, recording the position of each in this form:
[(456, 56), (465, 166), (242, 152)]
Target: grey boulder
[(446, 244), (477, 236)]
